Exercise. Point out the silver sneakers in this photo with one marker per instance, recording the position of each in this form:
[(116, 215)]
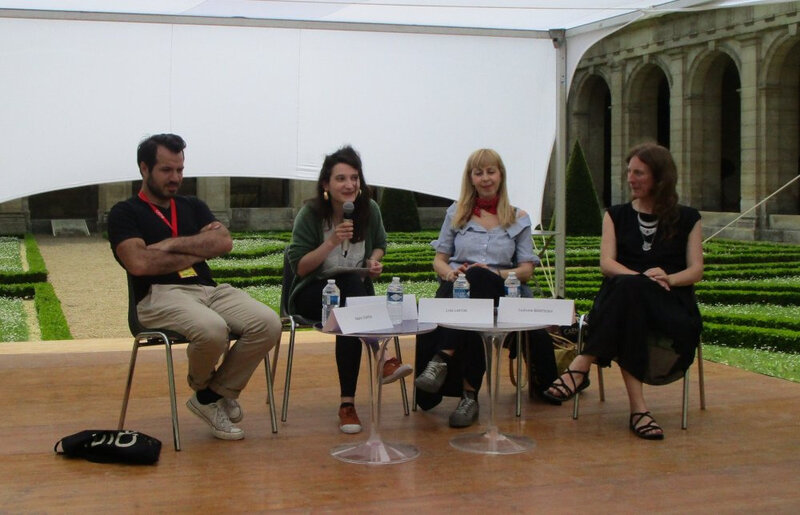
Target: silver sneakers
[(465, 414), (432, 378), (232, 409), (215, 416)]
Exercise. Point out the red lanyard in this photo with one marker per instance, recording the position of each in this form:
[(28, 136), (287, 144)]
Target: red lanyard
[(174, 225)]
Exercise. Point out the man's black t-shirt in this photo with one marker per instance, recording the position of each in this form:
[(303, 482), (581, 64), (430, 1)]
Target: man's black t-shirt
[(133, 218)]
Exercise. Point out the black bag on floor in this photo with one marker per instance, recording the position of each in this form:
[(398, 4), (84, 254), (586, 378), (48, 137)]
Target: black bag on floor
[(111, 446)]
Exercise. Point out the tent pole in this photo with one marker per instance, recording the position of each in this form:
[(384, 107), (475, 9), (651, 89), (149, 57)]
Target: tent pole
[(560, 42)]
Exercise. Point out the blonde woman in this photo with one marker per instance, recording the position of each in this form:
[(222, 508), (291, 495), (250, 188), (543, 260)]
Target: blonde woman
[(484, 237)]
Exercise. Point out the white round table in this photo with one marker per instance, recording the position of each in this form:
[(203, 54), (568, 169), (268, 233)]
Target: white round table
[(492, 441), (375, 451)]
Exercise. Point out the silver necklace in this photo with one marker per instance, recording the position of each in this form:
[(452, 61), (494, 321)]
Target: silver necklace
[(648, 230)]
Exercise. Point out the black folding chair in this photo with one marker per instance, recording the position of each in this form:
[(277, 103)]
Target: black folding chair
[(294, 322), (582, 324), (146, 337)]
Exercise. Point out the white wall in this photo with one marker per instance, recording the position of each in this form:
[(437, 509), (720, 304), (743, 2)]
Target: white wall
[(77, 96)]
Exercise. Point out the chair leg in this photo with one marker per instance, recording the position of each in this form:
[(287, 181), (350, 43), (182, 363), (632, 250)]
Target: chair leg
[(576, 399), (601, 384), (176, 435), (414, 397), (685, 411), (128, 384), (403, 391), (700, 376), (289, 358), (275, 352), (273, 417), (519, 372), (600, 387)]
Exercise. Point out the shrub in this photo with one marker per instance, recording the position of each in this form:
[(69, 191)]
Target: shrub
[(51, 318), (748, 297), (583, 209), (23, 290), (399, 210), (35, 260), (783, 340), (36, 269)]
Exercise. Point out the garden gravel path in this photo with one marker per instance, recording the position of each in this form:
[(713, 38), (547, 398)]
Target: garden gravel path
[(89, 283)]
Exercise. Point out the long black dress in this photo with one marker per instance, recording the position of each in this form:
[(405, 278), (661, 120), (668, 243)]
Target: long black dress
[(650, 332)]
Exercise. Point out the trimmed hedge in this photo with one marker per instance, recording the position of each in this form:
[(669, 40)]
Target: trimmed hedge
[(584, 216), (52, 322), (25, 291), (261, 250), (784, 340), (711, 296), (276, 235), (256, 280), (32, 284), (768, 322), (755, 265), (34, 257), (399, 210), (247, 271), (36, 269)]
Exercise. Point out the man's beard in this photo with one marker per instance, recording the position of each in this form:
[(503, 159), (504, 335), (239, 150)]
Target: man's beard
[(159, 193)]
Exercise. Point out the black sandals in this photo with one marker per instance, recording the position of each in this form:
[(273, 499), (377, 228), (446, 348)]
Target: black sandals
[(565, 391), (646, 430)]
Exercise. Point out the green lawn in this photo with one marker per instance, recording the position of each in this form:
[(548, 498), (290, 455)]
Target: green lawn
[(13, 320)]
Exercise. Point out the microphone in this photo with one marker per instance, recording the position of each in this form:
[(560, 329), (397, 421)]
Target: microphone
[(348, 209)]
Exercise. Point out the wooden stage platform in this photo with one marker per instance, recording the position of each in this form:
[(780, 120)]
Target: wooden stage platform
[(740, 455)]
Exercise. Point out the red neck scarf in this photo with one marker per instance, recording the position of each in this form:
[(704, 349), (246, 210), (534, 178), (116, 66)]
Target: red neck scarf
[(488, 204)]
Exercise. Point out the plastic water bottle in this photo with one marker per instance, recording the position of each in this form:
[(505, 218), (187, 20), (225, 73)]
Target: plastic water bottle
[(512, 285), (330, 299), (461, 287), (394, 301)]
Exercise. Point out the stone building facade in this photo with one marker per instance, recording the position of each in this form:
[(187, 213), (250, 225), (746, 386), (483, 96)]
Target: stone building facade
[(720, 88)]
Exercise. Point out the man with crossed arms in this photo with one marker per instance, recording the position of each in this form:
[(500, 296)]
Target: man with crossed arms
[(163, 240)]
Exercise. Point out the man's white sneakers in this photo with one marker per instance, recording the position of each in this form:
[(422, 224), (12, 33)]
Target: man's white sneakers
[(216, 416)]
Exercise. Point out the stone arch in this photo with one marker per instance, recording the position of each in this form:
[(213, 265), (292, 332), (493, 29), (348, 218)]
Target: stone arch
[(781, 89), (714, 142), (647, 104), (590, 119)]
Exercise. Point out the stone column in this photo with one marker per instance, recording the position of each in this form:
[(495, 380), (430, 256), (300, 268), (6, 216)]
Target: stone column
[(676, 61), (753, 179), (619, 133), (300, 191), (15, 217), (216, 193), (107, 196)]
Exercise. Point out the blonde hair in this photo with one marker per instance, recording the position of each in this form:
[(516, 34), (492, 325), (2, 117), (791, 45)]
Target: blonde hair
[(483, 158)]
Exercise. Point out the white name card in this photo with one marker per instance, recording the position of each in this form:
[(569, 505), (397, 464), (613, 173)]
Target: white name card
[(370, 316), (535, 311), (409, 303), (456, 311)]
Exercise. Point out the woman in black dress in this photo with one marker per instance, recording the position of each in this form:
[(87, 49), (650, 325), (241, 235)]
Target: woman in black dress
[(645, 316)]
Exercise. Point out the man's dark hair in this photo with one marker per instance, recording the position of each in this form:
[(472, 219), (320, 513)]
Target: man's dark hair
[(148, 148)]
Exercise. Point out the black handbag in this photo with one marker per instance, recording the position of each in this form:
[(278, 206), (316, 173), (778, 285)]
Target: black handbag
[(111, 446)]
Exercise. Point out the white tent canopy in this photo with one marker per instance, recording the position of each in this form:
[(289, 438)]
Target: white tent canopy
[(265, 89)]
